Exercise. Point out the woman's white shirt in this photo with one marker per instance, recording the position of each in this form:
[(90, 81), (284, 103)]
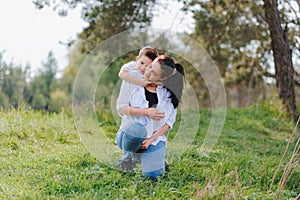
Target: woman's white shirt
[(134, 96)]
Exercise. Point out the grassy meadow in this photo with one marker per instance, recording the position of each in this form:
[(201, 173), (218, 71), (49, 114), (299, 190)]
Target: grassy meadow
[(42, 158)]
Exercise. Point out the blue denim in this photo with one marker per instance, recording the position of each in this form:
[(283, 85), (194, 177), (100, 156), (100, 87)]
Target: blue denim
[(153, 160), (130, 138)]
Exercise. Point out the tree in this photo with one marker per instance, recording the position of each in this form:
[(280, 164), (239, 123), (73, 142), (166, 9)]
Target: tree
[(48, 72), (284, 70), (12, 83), (105, 18), (4, 100), (41, 85), (237, 36)]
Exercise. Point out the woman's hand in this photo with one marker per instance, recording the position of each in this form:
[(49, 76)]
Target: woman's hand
[(155, 114), (146, 143)]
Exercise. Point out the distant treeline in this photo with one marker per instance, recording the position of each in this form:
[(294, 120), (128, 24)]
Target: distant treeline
[(239, 36), (46, 88)]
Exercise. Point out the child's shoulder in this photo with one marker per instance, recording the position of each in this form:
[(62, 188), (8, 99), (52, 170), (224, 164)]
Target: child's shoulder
[(135, 74), (129, 66)]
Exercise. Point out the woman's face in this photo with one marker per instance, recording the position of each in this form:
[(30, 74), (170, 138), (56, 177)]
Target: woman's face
[(153, 72)]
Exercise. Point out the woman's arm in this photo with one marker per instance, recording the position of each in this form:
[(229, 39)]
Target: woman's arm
[(171, 118), (128, 110), (162, 131), (153, 113)]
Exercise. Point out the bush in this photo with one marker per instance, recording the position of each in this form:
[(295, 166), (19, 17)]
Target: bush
[(58, 100)]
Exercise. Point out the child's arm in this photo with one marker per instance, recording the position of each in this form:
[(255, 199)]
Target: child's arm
[(124, 74)]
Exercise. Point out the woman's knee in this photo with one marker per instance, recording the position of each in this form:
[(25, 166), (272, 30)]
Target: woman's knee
[(119, 138)]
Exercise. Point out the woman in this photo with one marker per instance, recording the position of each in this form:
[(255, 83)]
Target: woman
[(147, 114)]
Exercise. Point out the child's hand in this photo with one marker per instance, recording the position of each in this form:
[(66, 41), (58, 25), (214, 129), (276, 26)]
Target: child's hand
[(145, 82), (158, 83)]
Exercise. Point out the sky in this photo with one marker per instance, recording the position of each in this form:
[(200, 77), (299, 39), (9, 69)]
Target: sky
[(28, 34)]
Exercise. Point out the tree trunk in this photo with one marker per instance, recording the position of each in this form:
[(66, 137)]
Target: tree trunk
[(284, 71)]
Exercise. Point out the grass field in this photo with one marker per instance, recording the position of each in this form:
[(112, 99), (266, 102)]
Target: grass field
[(42, 158)]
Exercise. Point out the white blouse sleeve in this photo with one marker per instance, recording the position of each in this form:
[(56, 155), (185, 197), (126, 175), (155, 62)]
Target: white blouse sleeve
[(172, 118), (128, 66), (124, 95)]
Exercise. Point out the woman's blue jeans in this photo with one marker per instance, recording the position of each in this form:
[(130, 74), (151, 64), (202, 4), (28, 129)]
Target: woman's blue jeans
[(130, 139)]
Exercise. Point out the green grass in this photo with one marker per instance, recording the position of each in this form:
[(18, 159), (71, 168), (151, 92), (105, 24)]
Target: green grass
[(42, 158)]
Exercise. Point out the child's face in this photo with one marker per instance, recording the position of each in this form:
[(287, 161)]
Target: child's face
[(142, 62)]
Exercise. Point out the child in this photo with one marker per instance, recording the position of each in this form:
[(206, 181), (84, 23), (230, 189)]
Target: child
[(145, 57)]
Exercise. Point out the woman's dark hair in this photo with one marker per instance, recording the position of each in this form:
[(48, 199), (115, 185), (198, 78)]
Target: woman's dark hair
[(173, 78)]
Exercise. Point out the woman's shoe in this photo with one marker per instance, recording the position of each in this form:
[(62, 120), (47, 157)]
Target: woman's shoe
[(126, 166), (166, 165)]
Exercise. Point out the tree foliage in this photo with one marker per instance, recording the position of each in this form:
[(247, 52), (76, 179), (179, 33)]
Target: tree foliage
[(235, 33), (17, 87), (12, 83), (237, 36), (40, 85), (105, 18)]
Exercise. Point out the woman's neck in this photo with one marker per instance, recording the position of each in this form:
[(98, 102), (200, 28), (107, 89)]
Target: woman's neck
[(151, 87)]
